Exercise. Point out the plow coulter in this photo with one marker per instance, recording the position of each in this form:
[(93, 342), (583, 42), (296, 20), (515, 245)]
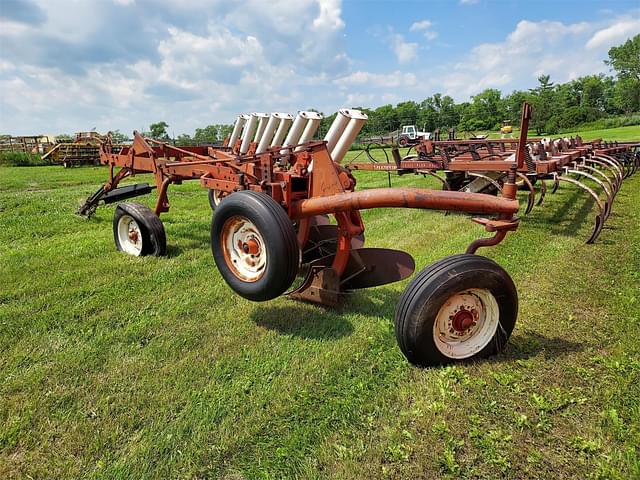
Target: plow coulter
[(482, 165), (273, 190)]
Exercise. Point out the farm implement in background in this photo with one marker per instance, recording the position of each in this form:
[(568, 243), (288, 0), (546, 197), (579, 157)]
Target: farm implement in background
[(272, 189), (84, 150), (597, 168)]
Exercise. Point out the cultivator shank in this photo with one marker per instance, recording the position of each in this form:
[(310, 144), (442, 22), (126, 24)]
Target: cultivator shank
[(482, 165)]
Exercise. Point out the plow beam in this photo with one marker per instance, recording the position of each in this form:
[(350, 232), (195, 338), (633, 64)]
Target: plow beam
[(403, 198)]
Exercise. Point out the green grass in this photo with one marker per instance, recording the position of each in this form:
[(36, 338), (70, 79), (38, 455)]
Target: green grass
[(122, 367), (628, 133)]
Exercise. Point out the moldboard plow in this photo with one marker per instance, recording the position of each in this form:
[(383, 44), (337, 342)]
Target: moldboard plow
[(273, 188), (482, 165)]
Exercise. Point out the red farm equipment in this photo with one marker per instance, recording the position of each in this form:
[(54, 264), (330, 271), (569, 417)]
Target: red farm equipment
[(482, 165), (272, 196)]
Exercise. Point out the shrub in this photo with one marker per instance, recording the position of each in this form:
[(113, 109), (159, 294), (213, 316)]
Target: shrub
[(21, 159)]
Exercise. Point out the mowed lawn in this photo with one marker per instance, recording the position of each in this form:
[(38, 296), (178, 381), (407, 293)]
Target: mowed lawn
[(631, 132), (120, 367)]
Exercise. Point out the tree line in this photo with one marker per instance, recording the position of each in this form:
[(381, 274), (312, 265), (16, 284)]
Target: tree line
[(556, 106)]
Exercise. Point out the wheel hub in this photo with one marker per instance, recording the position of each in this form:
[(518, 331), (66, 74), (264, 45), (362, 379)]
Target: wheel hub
[(466, 323), (243, 248), (133, 235), (129, 235), (463, 319)]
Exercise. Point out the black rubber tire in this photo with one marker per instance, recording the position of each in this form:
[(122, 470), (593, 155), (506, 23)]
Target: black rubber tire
[(154, 240), (429, 290), (278, 233), (403, 141)]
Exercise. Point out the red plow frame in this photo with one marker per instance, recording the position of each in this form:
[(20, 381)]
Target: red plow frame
[(271, 225)]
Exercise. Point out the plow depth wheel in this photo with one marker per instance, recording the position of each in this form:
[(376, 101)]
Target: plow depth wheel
[(254, 245), (458, 308), (138, 231)]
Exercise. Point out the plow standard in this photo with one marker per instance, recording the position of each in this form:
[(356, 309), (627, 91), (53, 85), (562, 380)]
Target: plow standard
[(273, 189)]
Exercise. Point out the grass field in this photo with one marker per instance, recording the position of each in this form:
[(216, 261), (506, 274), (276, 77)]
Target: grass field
[(620, 133), (122, 367)]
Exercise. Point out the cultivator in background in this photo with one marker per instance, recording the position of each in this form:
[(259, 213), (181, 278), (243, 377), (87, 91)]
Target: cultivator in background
[(272, 188), (597, 168)]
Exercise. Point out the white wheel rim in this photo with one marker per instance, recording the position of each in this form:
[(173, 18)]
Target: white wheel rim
[(466, 323), (244, 249), (129, 235), (217, 197)]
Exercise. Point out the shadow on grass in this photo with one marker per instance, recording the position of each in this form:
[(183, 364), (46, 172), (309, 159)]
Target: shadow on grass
[(531, 344), (303, 321), (556, 220)]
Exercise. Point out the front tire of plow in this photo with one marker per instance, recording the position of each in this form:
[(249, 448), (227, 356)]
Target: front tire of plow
[(459, 308), (254, 245), (138, 231)]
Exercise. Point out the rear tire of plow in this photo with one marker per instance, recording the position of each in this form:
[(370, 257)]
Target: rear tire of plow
[(138, 231), (462, 307), (254, 245)]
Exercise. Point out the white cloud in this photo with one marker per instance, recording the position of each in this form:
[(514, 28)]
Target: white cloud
[(421, 25), (188, 63), (405, 51), (330, 11), (532, 49), (614, 34), (424, 26), (468, 2)]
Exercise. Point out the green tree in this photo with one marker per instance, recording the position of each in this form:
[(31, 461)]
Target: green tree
[(184, 139), (487, 111), (544, 105), (625, 58), (159, 131), (64, 138), (626, 95), (118, 137)]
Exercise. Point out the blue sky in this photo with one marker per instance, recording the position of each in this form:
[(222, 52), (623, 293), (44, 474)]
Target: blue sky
[(72, 65)]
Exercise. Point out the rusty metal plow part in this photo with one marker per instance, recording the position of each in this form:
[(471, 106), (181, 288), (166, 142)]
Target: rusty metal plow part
[(493, 182), (444, 182), (531, 196), (556, 183), (614, 161), (543, 190), (366, 268), (623, 161), (323, 241), (612, 182), (607, 204), (403, 198), (613, 187), (598, 175), (606, 167), (599, 221)]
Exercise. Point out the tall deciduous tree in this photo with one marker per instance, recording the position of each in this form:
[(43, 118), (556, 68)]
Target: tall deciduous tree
[(625, 58), (159, 130)]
